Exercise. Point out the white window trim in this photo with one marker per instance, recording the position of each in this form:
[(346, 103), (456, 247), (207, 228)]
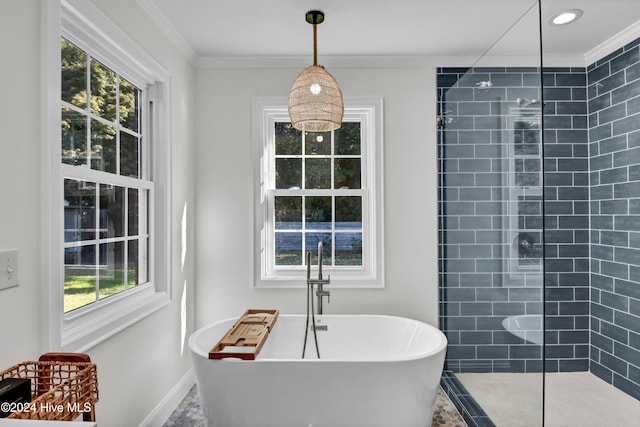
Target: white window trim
[(82, 22), (267, 110)]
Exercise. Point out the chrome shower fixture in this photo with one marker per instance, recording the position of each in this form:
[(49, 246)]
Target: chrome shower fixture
[(485, 84), (526, 102), (445, 118)]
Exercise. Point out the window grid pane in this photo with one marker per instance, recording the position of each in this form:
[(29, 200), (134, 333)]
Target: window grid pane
[(112, 274), (74, 74), (105, 223), (103, 96), (129, 155), (111, 105), (96, 247), (74, 137), (305, 163), (79, 276), (129, 106), (104, 147)]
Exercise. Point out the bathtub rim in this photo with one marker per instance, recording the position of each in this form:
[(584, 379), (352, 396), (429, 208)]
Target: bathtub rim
[(437, 332), (533, 335)]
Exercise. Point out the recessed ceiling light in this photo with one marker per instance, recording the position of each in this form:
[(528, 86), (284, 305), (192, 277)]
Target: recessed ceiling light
[(566, 17)]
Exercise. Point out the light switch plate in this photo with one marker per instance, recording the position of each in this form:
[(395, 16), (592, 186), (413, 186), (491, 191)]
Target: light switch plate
[(8, 268)]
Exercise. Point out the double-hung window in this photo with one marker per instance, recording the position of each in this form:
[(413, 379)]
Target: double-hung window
[(107, 188), (318, 187), (107, 207)]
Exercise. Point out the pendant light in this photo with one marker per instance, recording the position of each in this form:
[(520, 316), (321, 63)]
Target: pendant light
[(315, 99)]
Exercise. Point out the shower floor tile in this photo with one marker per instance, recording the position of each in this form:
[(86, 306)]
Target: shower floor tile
[(573, 399)]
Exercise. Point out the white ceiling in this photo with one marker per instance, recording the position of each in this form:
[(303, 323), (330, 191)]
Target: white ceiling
[(258, 31)]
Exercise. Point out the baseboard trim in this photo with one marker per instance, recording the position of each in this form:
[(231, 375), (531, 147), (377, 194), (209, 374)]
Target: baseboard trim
[(170, 402)]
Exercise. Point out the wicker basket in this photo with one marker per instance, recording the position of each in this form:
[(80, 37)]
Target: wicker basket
[(59, 390)]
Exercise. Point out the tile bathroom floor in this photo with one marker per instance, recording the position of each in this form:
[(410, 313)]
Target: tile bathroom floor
[(189, 413)]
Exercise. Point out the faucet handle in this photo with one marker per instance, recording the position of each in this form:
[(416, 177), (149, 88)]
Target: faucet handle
[(324, 293)]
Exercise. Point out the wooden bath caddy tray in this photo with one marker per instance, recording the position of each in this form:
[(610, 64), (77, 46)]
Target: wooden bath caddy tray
[(249, 332)]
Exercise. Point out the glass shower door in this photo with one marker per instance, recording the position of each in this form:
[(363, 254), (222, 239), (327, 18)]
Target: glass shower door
[(490, 132), (592, 135)]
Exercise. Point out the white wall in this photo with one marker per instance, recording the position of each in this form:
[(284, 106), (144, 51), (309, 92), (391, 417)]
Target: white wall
[(140, 365), (225, 205), (19, 174), (210, 140)]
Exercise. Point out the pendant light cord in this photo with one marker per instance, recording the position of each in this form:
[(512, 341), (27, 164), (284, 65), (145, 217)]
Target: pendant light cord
[(315, 44)]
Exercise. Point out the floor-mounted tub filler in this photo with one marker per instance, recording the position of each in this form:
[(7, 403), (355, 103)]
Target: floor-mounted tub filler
[(374, 371)]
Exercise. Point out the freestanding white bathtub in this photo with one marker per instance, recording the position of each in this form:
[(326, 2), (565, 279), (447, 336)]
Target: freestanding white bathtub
[(373, 371)]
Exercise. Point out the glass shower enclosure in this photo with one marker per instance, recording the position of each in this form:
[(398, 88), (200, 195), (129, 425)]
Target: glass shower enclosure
[(491, 226), (539, 222)]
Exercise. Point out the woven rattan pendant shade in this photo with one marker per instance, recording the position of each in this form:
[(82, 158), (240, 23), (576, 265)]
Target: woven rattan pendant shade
[(315, 99)]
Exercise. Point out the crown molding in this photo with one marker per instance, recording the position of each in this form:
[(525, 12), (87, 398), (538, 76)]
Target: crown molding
[(619, 40), (357, 61), (153, 11), (562, 60), (390, 61)]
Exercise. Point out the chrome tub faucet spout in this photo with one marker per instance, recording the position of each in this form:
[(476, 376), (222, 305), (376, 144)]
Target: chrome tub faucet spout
[(321, 292)]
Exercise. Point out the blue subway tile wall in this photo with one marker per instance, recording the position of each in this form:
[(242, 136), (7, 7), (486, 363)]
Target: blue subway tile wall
[(499, 167), (591, 217), (613, 87), (566, 166), (490, 215)]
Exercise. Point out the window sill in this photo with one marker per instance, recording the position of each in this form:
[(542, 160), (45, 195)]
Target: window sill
[(338, 280), (83, 329)]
